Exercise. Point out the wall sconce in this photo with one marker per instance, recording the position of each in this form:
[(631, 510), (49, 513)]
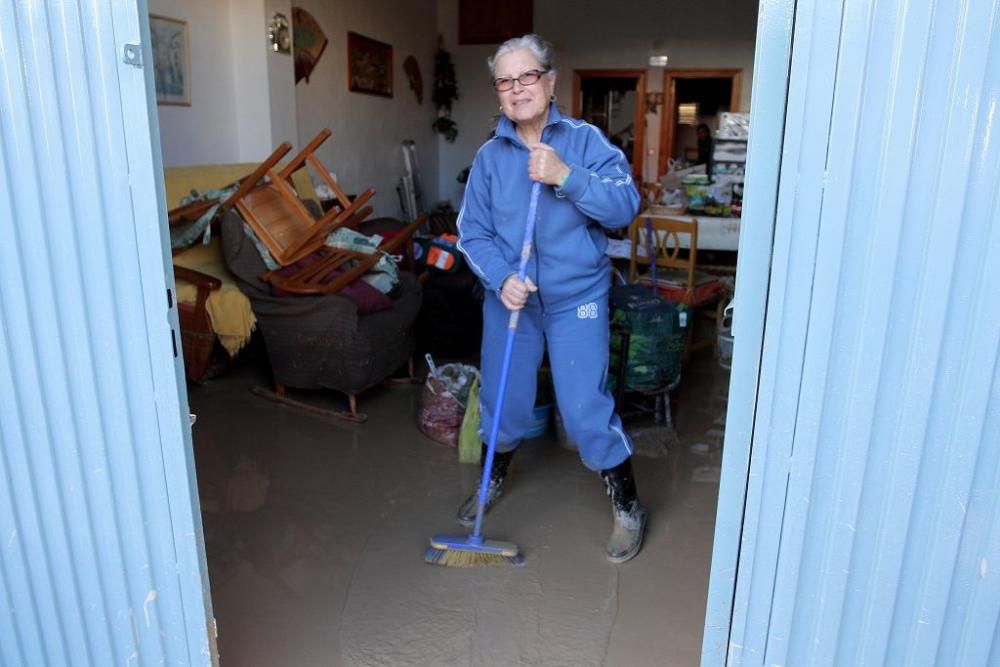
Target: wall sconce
[(653, 102), (279, 34)]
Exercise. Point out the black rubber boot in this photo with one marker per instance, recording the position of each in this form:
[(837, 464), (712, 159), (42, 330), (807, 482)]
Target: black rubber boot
[(501, 461), (630, 518)]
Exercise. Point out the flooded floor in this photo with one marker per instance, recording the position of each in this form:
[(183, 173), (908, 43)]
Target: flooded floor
[(316, 529)]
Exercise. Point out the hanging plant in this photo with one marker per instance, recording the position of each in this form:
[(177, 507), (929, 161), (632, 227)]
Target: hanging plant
[(447, 127), (445, 92)]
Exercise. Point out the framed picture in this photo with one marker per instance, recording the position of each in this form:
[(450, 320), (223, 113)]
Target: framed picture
[(369, 65), (171, 60)]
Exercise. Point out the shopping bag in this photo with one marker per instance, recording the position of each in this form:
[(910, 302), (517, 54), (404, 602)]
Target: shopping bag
[(469, 444), (443, 402)]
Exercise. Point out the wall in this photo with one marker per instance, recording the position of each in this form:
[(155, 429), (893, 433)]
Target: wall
[(475, 109), (707, 34), (368, 130), (233, 70), (203, 132), (281, 82)]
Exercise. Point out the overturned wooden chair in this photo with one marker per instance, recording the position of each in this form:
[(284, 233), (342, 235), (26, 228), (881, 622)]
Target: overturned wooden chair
[(278, 217), (291, 234)]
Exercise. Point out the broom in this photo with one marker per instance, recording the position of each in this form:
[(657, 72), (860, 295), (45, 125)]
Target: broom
[(472, 550)]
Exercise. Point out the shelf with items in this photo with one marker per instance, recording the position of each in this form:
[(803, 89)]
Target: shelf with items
[(729, 150), (729, 157)]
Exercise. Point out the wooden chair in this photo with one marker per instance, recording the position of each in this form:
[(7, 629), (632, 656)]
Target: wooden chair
[(274, 211), (198, 338), (668, 248), (270, 205), (315, 278)]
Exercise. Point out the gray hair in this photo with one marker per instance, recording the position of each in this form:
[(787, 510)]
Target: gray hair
[(539, 48)]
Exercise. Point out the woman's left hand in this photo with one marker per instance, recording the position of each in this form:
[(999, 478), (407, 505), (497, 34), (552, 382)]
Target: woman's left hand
[(545, 165)]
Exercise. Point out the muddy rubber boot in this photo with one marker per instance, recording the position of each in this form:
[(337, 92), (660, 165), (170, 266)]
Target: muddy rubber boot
[(501, 461), (630, 518)]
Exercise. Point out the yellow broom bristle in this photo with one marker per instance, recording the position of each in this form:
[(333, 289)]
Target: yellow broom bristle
[(469, 558)]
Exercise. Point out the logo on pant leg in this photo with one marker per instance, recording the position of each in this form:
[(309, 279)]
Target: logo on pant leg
[(587, 311)]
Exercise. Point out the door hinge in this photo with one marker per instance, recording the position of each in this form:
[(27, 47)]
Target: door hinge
[(170, 298), (173, 340), (132, 55)]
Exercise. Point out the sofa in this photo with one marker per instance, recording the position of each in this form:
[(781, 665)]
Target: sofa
[(312, 342)]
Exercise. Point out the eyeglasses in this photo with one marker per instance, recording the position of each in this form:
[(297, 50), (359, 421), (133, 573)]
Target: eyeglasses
[(528, 78)]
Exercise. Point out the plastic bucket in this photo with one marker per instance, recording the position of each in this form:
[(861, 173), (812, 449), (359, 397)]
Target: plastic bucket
[(542, 415)]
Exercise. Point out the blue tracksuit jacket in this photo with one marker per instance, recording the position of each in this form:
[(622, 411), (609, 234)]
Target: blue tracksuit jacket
[(568, 260)]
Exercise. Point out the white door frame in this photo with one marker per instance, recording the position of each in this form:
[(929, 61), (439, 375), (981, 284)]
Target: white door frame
[(772, 63)]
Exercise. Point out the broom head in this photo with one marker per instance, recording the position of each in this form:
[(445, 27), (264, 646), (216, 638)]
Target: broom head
[(466, 551)]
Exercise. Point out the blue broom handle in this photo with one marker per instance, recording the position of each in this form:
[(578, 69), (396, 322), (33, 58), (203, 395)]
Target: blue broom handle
[(529, 234)]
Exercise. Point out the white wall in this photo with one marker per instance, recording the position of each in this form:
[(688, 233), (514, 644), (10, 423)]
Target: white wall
[(242, 94), (205, 131), (596, 34), (251, 106), (281, 82), (243, 104), (368, 130)]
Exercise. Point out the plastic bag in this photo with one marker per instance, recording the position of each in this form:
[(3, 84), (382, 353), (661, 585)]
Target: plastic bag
[(673, 179), (469, 445), (657, 334), (443, 401)]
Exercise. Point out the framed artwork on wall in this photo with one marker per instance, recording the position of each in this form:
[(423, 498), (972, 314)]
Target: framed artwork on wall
[(369, 65), (171, 60)]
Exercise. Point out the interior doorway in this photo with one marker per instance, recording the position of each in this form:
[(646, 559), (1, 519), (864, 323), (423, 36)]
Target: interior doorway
[(693, 98), (612, 100), (311, 526)]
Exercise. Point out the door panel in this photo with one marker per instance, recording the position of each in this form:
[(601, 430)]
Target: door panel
[(871, 518), (102, 555)]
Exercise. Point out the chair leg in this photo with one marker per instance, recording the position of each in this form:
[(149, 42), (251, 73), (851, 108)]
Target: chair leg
[(720, 309), (658, 411), (668, 413), (411, 374), (278, 395)]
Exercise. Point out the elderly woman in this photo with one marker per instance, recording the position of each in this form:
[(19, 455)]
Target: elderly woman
[(564, 298)]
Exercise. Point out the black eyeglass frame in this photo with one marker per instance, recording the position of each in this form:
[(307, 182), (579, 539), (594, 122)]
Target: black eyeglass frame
[(503, 84)]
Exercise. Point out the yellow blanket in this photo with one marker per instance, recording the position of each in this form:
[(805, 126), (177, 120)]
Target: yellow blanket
[(228, 308)]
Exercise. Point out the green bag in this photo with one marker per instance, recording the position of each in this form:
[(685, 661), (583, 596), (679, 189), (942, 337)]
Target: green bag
[(469, 444), (657, 334)]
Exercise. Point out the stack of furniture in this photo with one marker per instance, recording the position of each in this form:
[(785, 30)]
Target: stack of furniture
[(318, 333)]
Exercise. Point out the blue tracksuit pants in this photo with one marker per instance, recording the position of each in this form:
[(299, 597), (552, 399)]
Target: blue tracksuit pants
[(577, 341)]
